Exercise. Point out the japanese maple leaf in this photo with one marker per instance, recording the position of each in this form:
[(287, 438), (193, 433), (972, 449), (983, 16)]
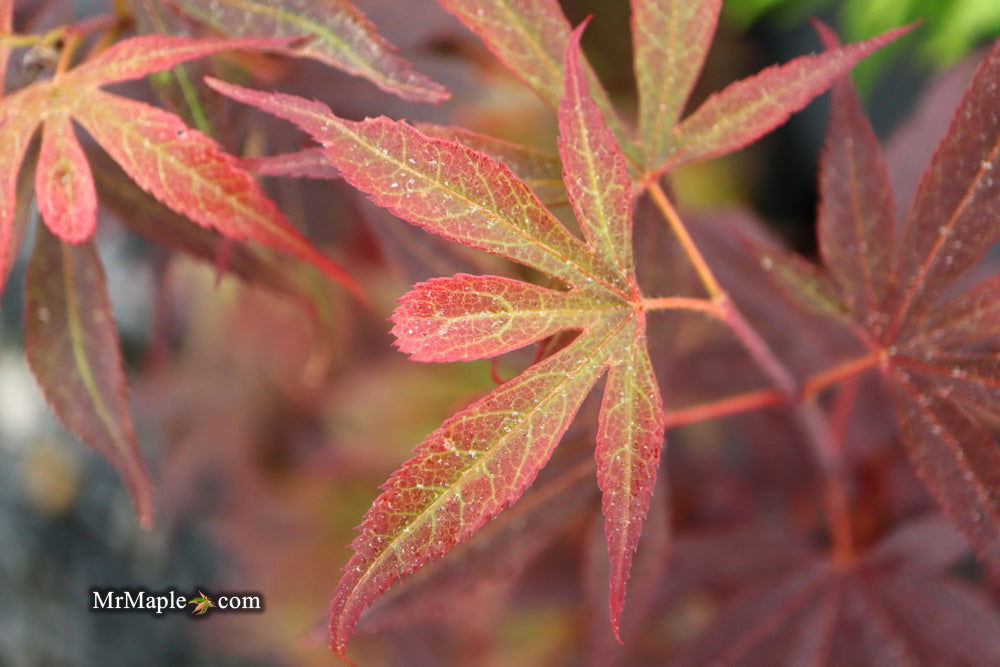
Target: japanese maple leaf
[(936, 353), (202, 604), (482, 458), (186, 170), (894, 606), (339, 34), (70, 338), (670, 41)]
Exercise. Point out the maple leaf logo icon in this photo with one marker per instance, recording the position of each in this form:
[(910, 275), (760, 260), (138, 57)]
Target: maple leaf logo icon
[(202, 603)]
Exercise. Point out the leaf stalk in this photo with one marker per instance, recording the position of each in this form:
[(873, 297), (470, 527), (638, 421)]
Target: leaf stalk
[(705, 274), (807, 414)]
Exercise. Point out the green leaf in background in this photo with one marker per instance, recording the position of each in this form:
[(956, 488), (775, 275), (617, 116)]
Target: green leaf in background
[(952, 28)]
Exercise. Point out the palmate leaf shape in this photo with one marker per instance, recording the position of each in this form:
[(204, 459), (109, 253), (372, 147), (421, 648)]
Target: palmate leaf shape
[(896, 606), (935, 356), (337, 33), (670, 43), (184, 169), (482, 458)]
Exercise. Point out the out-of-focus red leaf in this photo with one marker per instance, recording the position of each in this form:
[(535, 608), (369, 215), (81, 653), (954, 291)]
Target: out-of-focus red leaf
[(776, 623), (63, 182), (798, 281), (415, 255), (912, 143), (336, 32), (6, 28), (857, 217), (956, 459), (866, 633), (17, 126), (954, 216), (748, 109), (924, 546), (308, 163), (184, 169), (892, 606), (144, 214), (973, 377), (704, 560), (971, 317), (944, 622), (744, 257), (72, 349), (670, 40), (530, 37), (890, 290), (188, 172)]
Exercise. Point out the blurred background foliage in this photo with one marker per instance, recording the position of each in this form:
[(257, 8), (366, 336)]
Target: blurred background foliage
[(952, 28)]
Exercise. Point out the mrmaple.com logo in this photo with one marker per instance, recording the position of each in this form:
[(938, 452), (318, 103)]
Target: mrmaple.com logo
[(141, 600)]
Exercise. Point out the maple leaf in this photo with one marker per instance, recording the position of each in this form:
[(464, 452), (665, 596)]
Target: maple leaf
[(337, 33), (146, 216), (500, 552), (483, 458), (414, 255), (72, 349), (202, 604), (307, 163), (667, 66), (183, 168), (649, 571), (670, 42), (540, 170), (894, 606), (530, 38), (71, 343), (892, 289)]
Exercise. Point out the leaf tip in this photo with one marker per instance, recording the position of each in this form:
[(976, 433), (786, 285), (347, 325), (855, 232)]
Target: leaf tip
[(573, 44), (145, 513), (616, 624), (827, 35)]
